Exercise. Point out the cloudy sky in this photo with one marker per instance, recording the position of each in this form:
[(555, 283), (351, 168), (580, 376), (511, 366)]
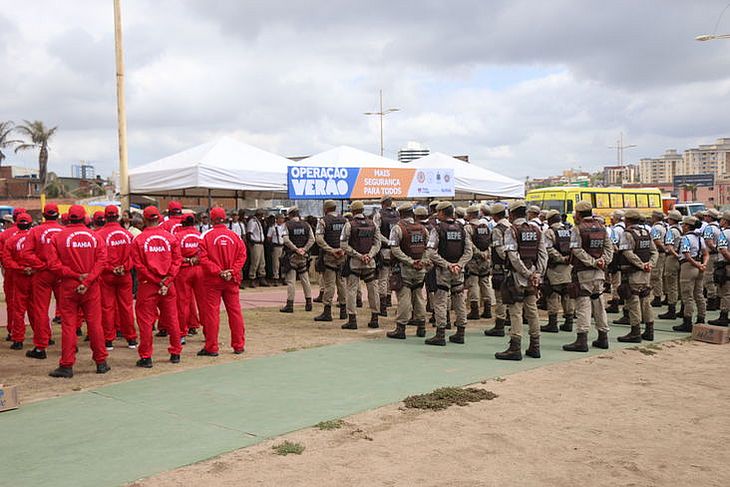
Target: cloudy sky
[(524, 87)]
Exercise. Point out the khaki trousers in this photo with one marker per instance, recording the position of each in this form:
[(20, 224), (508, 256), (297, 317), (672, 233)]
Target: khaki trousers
[(639, 309), (557, 303), (708, 281), (384, 274), (411, 302), (331, 279), (449, 285), (671, 279), (257, 263), (276, 252), (478, 287), (529, 307), (500, 310), (724, 293), (690, 285), (585, 307), (657, 276), (353, 285), (291, 280)]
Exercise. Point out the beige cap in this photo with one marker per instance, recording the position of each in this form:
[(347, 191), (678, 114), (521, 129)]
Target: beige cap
[(460, 211), (357, 206), (472, 209), (330, 205), (496, 209), (443, 205), (689, 220), (434, 203), (386, 198), (552, 213), (618, 214), (517, 204), (657, 214), (714, 213), (726, 215), (674, 215), (485, 209), (583, 205), (292, 209), (347, 214), (405, 207), (533, 209), (700, 214), (633, 215), (421, 211)]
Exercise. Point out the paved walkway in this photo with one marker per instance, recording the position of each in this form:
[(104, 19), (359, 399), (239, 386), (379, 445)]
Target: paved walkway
[(123, 432)]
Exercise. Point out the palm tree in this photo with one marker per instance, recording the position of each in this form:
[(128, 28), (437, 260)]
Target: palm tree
[(39, 136), (6, 128)]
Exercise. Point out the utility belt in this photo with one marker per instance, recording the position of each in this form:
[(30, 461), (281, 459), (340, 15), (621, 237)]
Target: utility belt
[(625, 291), (277, 245)]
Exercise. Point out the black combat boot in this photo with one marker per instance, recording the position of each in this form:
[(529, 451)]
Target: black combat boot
[(161, 334), (399, 332), (713, 304), (633, 336), (602, 341), (351, 323), (579, 345), (318, 299), (36, 353), (288, 308), (420, 328), (103, 367), (373, 323), (686, 325), (439, 339), (487, 313), (534, 349), (671, 313), (498, 330), (448, 320), (567, 324), (721, 321), (552, 325), (263, 282), (326, 314), (612, 307), (648, 334), (307, 304), (63, 372), (656, 302), (383, 306), (700, 320), (513, 352), (473, 311), (146, 363), (624, 320), (343, 311), (458, 337), (16, 346), (681, 310)]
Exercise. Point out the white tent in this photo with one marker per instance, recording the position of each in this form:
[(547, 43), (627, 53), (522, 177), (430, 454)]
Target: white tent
[(471, 180), (224, 164), (344, 156)]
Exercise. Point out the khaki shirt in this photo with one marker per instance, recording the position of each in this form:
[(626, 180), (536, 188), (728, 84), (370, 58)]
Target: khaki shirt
[(627, 244), (356, 262), (519, 270), (578, 253), (559, 268), (294, 257)]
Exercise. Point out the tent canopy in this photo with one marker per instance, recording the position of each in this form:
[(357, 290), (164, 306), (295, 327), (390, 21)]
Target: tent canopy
[(472, 180), (344, 156), (224, 164)]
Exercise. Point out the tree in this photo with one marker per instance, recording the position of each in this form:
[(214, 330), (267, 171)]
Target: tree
[(38, 136), (55, 188), (6, 129)]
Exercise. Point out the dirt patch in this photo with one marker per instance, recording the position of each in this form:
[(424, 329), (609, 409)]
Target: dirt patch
[(448, 396)]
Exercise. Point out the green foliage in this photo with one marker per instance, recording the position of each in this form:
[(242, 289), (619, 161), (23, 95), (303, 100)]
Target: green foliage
[(332, 424), (446, 396), (287, 448)]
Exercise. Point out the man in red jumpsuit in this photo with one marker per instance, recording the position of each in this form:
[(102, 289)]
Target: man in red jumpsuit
[(98, 220), (189, 283), (78, 255), (174, 217), (116, 280), (21, 271), (8, 286), (44, 281), (156, 258), (222, 254)]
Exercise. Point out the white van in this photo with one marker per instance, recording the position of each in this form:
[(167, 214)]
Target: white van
[(689, 209)]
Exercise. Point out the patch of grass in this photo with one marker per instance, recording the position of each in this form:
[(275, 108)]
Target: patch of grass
[(287, 448), (332, 424), (446, 396), (644, 350), (291, 349)]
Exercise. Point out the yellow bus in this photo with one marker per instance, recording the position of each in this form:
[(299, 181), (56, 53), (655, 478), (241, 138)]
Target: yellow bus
[(604, 200)]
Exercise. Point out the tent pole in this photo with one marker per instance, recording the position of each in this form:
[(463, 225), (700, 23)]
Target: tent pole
[(210, 199)]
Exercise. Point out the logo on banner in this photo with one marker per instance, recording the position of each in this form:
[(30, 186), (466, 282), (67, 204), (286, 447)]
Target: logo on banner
[(313, 182)]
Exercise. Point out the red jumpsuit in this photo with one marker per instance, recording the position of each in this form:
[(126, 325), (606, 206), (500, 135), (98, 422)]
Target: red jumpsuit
[(45, 282), (22, 284), (172, 224), (156, 257), (76, 251), (189, 283), (116, 290), (8, 286), (220, 250)]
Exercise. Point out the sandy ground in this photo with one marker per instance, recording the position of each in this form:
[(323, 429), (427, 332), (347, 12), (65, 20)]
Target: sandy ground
[(619, 419), (268, 332)]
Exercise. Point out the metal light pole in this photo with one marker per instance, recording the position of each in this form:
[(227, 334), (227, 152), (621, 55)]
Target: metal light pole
[(382, 113), (620, 152), (121, 113), (714, 36)]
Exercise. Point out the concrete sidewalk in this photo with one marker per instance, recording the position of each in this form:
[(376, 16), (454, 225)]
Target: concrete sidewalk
[(123, 432)]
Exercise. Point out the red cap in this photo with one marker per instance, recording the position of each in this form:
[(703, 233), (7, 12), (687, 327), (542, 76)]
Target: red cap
[(174, 207), (51, 209), (151, 213), (76, 213), (17, 211), (98, 215), (217, 214), (24, 218), (111, 210), (64, 218)]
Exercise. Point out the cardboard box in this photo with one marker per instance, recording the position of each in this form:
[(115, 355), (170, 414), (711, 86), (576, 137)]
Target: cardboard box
[(710, 333), (8, 397)]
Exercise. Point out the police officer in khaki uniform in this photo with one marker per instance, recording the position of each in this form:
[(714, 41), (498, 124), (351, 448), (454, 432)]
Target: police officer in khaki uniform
[(693, 259), (360, 240), (614, 274), (558, 274), (385, 219), (449, 248), (327, 236), (499, 269), (408, 240), (672, 240), (526, 258), (711, 234), (479, 267), (637, 257), (591, 251), (298, 239), (658, 235), (722, 271)]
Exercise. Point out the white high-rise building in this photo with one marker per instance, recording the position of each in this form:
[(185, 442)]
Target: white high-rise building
[(661, 170), (709, 159), (412, 151)]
